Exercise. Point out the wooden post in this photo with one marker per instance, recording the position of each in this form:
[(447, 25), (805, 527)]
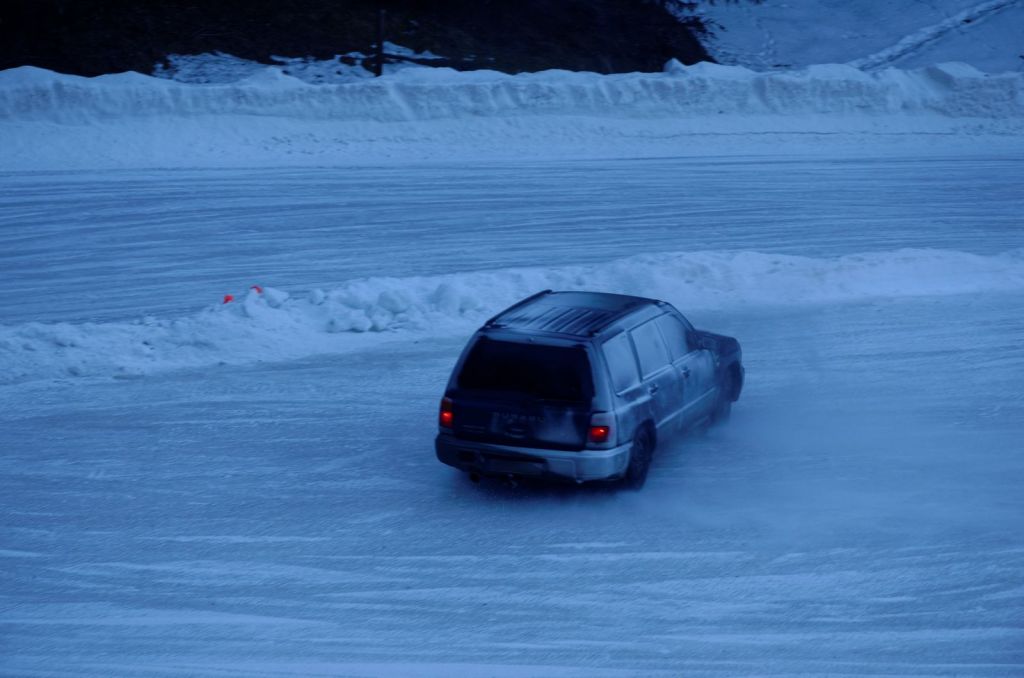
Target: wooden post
[(378, 67)]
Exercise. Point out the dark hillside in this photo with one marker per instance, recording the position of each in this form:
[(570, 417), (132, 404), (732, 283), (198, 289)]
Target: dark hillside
[(90, 38)]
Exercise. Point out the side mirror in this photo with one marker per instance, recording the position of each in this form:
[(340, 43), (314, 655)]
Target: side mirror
[(698, 340)]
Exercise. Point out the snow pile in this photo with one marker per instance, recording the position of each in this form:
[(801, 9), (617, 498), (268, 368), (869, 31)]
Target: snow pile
[(271, 118), (421, 94), (276, 325)]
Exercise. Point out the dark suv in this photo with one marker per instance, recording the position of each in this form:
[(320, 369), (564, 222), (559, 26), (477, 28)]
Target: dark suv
[(582, 385)]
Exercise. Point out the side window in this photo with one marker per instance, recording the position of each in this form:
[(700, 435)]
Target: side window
[(621, 363), (650, 348), (674, 332)]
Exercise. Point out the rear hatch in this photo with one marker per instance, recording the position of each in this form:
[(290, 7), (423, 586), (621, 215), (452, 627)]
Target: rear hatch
[(524, 394)]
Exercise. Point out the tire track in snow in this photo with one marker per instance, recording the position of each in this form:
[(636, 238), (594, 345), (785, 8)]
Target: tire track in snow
[(912, 43)]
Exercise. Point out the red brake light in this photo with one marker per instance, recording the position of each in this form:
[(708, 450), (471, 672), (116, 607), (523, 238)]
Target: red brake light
[(599, 434), (445, 418)]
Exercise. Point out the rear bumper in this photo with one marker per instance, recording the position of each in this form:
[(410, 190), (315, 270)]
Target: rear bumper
[(490, 459)]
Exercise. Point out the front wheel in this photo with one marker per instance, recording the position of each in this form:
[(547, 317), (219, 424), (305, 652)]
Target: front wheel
[(723, 406), (639, 459)]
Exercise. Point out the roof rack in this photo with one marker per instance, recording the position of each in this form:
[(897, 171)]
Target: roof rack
[(571, 313), (525, 301)]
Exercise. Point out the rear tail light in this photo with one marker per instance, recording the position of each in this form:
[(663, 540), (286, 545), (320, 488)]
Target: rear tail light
[(599, 434), (446, 417)]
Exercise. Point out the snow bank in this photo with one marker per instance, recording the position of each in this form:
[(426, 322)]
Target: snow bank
[(31, 94), (269, 118), (279, 325)]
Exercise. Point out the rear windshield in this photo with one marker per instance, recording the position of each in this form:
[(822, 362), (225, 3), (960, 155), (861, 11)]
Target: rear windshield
[(542, 372)]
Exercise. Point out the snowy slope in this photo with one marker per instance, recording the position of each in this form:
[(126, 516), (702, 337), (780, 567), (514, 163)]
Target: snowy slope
[(869, 34)]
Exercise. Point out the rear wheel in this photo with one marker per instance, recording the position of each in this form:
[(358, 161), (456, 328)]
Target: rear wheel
[(639, 459)]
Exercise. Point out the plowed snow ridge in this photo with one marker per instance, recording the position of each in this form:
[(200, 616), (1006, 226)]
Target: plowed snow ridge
[(32, 94), (277, 325), (53, 121)]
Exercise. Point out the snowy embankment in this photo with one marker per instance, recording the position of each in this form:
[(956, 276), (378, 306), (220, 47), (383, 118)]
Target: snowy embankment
[(956, 90), (270, 324), (48, 120)]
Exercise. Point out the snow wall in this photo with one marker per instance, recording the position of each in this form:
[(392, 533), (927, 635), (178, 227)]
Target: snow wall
[(958, 90), (56, 122), (273, 324)]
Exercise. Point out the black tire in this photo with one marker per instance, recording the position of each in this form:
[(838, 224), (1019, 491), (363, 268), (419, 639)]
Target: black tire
[(723, 406), (639, 459)]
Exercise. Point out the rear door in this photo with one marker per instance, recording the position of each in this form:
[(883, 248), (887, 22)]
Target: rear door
[(524, 394), (633, 403), (659, 377)]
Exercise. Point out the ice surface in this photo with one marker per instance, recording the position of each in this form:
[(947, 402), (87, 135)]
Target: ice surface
[(100, 286), (859, 516), (117, 246)]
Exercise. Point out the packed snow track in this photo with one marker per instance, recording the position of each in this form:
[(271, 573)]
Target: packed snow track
[(249, 509)]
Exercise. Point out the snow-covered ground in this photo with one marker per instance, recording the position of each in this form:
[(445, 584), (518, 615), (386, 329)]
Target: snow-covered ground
[(860, 515)]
